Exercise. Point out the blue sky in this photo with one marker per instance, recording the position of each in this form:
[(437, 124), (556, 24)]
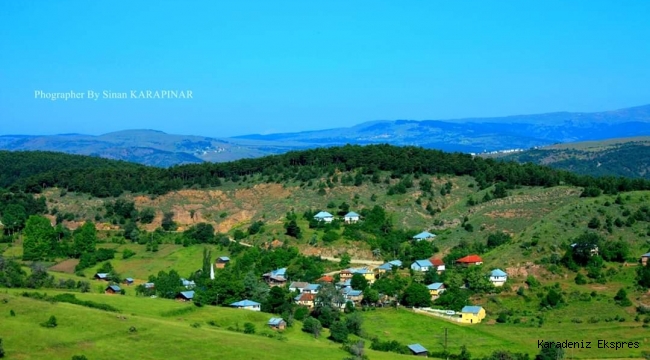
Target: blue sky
[(279, 66)]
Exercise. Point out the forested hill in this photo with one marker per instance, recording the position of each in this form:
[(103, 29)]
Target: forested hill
[(33, 171)]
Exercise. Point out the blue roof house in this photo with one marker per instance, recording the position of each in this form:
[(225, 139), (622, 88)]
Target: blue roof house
[(185, 295), (425, 235), (324, 216), (351, 217), (277, 323), (246, 305), (498, 277), (422, 265), (418, 350), (112, 289)]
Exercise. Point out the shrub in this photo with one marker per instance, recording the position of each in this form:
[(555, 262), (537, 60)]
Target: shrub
[(249, 328), (50, 323), (12, 313), (2, 350), (79, 357), (127, 253)]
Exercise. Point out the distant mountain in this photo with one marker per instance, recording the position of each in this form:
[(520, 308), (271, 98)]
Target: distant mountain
[(629, 157), (149, 147), (473, 135), (483, 134)]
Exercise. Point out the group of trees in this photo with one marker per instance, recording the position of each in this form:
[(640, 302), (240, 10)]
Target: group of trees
[(34, 171)]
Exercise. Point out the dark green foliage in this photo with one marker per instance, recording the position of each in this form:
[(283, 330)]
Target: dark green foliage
[(580, 279), (293, 229), (358, 282), (532, 281), (85, 239), (127, 253), (255, 227), (168, 223), (330, 236), (278, 301), (499, 191), (200, 233), (591, 191), (249, 328), (622, 299), (617, 251), (40, 240), (50, 323), (550, 353), (507, 355), (79, 357), (453, 299), (643, 275), (147, 215), (552, 299), (91, 259), (389, 346), (312, 326), (416, 295), (497, 239), (339, 332), (2, 349), (594, 223), (11, 274)]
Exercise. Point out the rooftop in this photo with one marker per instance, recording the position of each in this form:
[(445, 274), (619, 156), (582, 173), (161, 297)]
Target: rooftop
[(471, 309), (417, 348), (245, 303)]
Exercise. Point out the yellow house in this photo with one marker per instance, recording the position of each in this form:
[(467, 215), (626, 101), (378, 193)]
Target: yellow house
[(367, 274), (436, 289), (472, 314)]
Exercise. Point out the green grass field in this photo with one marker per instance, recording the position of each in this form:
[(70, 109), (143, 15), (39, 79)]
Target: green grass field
[(164, 331)]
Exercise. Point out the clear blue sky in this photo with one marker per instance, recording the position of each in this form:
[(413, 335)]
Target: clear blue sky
[(277, 66)]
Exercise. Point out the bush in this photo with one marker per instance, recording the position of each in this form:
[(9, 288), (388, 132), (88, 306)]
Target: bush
[(249, 328), (2, 350), (127, 253), (50, 323), (12, 313), (79, 357)]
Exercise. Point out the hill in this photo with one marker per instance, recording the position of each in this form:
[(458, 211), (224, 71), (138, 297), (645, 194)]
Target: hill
[(629, 157), (473, 135)]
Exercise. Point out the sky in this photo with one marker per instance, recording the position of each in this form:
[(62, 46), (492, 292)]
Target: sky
[(284, 66)]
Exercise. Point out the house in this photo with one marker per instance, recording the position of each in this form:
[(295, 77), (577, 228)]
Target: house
[(185, 295), (367, 274), (425, 235), (112, 290), (246, 305), (470, 260), (388, 266), (221, 262), (128, 281), (325, 279), (351, 217), (277, 324), (344, 284), (418, 350), (498, 277), (396, 263), (276, 277), (311, 289), (422, 265), (592, 252), (350, 294), (644, 259), (438, 264), (188, 284), (346, 274), (324, 216), (149, 285), (298, 286), (102, 276), (305, 299), (436, 289), (472, 314)]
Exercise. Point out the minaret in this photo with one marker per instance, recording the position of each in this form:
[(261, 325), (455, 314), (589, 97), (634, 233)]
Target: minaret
[(211, 271)]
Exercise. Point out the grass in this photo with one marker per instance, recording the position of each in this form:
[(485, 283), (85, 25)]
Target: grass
[(408, 327), (103, 335)]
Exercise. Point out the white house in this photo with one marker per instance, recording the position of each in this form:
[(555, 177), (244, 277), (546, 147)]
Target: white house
[(498, 277), (247, 305), (438, 265), (422, 265), (324, 216), (351, 217)]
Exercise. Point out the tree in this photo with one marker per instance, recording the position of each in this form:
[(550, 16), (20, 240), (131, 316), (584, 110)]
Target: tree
[(50, 323), (416, 295), (339, 332), (249, 328), (345, 260), (552, 299), (497, 238), (85, 239), (14, 217), (359, 282), (278, 301), (622, 299), (550, 353), (293, 229), (40, 241), (312, 326), (168, 223), (370, 296), (643, 275), (354, 322), (147, 215)]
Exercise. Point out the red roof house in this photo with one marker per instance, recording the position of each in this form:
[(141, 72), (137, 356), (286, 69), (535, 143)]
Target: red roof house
[(470, 260)]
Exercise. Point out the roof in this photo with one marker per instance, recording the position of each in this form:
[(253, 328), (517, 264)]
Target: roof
[(323, 214), (298, 284), (397, 263), (435, 286), (417, 348), (436, 262), (352, 214), (424, 235), (129, 279), (312, 287), (326, 278), (423, 263), (646, 255), (498, 272), (305, 297), (386, 266), (186, 282), (275, 321), (149, 285), (114, 288), (187, 294), (277, 272), (471, 309), (101, 275), (245, 303), (470, 259), (223, 258), (353, 292), (361, 271)]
